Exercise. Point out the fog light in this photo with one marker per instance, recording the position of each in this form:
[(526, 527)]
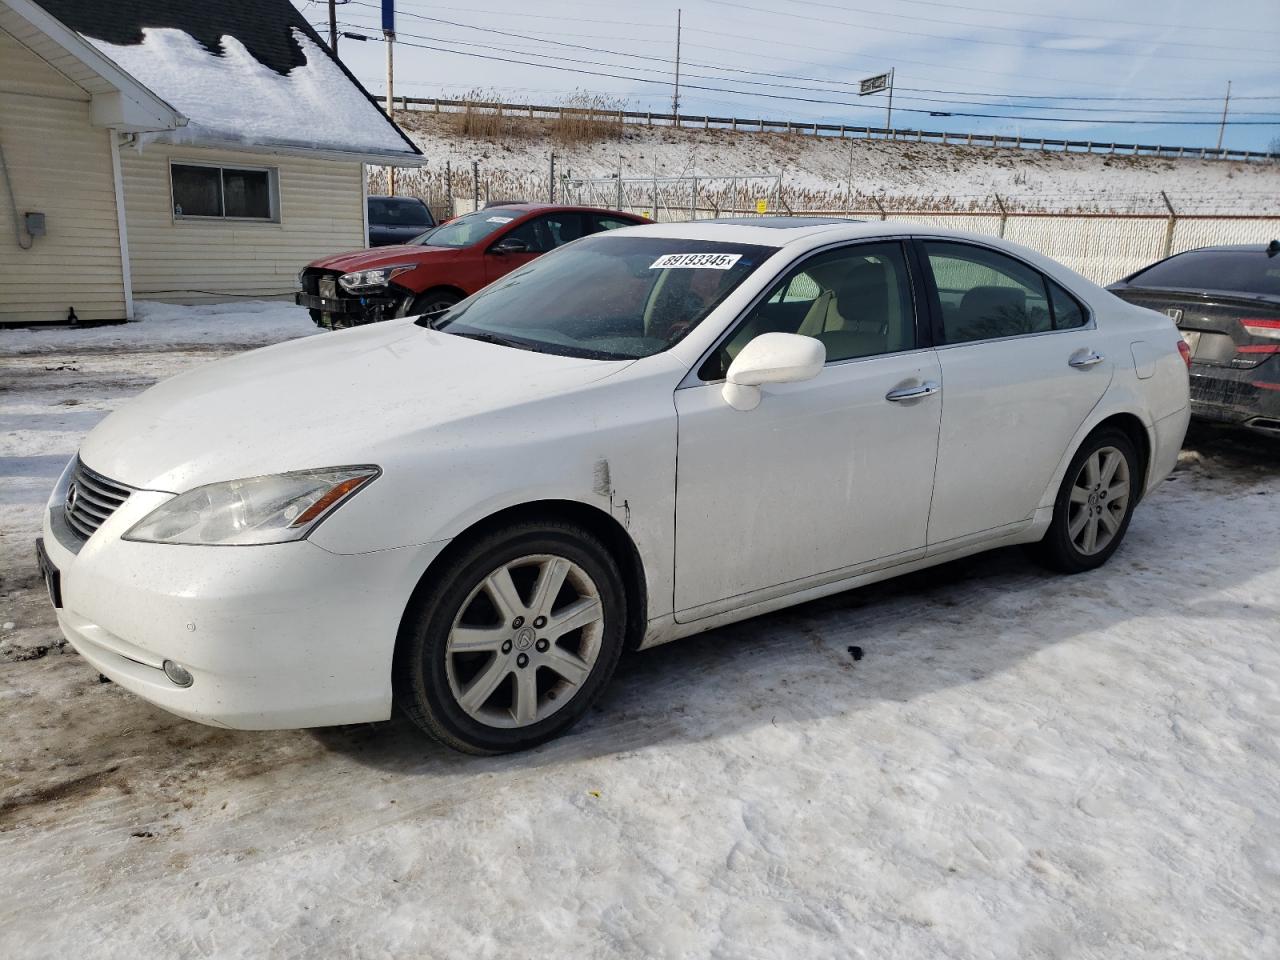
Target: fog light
[(177, 673)]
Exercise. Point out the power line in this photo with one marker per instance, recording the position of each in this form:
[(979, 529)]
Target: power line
[(810, 48), (1060, 16), (737, 5), (665, 71), (986, 26), (774, 96)]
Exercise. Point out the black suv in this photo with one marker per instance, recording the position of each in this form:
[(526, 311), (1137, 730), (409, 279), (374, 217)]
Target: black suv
[(397, 220)]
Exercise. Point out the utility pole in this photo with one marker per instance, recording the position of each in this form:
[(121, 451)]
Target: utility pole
[(675, 97), (389, 35), (888, 119), (1225, 103), (333, 27)]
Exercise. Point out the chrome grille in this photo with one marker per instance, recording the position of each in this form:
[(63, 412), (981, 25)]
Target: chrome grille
[(91, 499)]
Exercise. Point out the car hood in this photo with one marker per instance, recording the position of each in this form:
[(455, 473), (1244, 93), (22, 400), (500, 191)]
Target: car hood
[(376, 257), (333, 399)]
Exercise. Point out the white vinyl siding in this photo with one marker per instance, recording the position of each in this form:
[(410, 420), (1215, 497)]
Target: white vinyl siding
[(58, 165), (192, 260)]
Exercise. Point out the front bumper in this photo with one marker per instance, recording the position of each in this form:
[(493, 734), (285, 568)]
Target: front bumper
[(1241, 397), (277, 636), (334, 308)]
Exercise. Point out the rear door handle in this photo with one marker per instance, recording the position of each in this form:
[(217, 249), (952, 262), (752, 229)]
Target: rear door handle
[(926, 389), (1086, 359)]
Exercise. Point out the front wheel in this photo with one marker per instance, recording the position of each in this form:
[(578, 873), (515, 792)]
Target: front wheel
[(514, 640), (429, 303), (1094, 504)]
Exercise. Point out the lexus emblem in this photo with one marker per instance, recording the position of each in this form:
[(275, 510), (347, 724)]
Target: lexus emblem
[(1174, 314), (73, 494)]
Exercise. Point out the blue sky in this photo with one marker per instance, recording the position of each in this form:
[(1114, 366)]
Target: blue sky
[(783, 58)]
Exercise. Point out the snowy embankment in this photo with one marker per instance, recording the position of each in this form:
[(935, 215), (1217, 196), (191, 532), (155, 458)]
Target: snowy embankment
[(1021, 766), (831, 173)]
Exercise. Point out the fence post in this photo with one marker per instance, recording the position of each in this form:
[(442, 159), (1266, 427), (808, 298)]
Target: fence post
[(448, 181), (693, 204), (1173, 221), (1004, 215), (880, 207), (551, 179)]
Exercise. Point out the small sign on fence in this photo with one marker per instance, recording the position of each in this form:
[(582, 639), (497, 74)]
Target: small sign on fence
[(762, 205)]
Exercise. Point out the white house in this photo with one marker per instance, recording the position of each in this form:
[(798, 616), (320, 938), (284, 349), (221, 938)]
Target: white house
[(177, 150)]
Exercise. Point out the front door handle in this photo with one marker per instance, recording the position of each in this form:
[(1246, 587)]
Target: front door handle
[(926, 389), (1086, 359)]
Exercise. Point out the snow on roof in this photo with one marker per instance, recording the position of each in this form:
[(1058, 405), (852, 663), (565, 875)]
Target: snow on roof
[(232, 96)]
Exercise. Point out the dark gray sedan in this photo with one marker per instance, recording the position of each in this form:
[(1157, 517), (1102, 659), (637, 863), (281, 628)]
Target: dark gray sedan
[(1226, 302)]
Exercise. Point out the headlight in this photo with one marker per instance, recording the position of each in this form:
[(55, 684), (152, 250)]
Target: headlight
[(272, 509), (371, 279)]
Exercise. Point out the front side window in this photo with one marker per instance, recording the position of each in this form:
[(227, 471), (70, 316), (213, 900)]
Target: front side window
[(544, 234), (607, 297), (223, 192), (857, 300)]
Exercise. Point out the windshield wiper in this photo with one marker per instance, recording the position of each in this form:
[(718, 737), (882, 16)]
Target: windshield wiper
[(501, 341)]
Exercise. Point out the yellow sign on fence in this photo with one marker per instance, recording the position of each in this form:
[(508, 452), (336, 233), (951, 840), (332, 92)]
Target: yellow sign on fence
[(762, 205)]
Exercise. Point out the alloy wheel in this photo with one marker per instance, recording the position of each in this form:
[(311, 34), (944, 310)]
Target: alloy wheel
[(524, 641), (1099, 500)]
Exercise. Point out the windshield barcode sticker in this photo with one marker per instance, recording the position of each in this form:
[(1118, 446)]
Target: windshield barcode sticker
[(499, 219), (696, 261)]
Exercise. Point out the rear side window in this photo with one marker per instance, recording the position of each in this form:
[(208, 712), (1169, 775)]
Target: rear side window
[(1067, 312), (1244, 271), (609, 223), (985, 295)]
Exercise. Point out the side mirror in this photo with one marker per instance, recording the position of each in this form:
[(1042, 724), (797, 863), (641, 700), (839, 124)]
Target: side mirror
[(510, 245), (771, 358)]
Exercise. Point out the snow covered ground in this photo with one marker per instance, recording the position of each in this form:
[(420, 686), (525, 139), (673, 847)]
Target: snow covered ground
[(1021, 766), (832, 173)]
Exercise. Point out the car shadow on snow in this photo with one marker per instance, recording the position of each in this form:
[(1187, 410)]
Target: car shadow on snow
[(952, 625)]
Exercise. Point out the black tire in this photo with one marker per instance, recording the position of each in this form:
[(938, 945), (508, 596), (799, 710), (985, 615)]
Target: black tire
[(1058, 550), (430, 302), (420, 676)]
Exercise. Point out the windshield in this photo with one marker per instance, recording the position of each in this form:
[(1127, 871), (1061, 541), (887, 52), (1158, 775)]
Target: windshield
[(608, 297), (398, 213), (1242, 271), (467, 229)]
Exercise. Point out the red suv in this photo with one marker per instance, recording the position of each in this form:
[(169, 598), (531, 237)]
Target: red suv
[(445, 264)]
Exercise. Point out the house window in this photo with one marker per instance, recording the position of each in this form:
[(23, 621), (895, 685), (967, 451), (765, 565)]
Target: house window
[(231, 193)]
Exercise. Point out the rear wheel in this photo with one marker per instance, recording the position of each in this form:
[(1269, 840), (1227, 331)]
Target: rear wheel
[(1094, 504), (518, 637)]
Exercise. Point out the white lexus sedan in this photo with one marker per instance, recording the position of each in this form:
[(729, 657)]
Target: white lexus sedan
[(648, 433)]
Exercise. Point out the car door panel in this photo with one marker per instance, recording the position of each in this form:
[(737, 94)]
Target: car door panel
[(1010, 407), (821, 476)]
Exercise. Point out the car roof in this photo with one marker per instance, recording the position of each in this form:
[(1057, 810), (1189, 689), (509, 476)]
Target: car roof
[(808, 231), (535, 207), (1232, 248)]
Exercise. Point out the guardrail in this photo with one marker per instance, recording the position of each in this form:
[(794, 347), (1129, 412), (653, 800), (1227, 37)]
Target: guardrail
[(762, 125)]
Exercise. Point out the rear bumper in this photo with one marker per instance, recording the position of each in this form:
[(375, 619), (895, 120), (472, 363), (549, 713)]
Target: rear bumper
[(1244, 398)]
